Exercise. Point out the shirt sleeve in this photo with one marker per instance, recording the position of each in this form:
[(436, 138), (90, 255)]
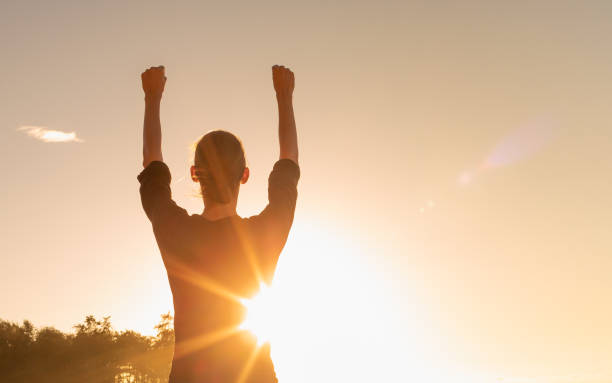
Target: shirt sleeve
[(282, 186), (271, 227), (156, 196)]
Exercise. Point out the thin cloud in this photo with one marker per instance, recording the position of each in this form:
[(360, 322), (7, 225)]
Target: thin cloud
[(47, 135)]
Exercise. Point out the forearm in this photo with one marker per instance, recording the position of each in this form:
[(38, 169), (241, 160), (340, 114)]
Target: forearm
[(287, 133), (151, 139)]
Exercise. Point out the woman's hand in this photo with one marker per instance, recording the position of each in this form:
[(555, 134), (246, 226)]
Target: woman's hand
[(284, 81), (153, 81)]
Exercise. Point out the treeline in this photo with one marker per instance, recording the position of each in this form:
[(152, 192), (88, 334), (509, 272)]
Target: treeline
[(94, 353)]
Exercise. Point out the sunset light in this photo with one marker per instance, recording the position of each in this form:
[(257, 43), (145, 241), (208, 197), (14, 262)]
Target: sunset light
[(350, 191), (308, 314), (263, 314)]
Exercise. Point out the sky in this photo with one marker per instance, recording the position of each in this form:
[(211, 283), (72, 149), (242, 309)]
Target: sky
[(455, 162)]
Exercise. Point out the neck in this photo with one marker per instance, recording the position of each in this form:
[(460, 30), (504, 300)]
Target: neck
[(213, 212)]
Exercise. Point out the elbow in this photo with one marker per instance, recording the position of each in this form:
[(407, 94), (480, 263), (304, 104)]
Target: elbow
[(148, 158), (290, 155)]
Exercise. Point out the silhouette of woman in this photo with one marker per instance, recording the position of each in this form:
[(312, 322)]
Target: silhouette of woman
[(216, 257)]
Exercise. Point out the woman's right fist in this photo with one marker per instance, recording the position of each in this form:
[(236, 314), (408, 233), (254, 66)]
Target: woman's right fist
[(283, 79), (153, 81)]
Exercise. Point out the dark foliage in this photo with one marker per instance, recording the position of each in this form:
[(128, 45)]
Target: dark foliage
[(94, 353)]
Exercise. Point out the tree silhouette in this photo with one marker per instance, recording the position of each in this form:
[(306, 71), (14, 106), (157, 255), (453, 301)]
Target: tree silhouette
[(94, 352)]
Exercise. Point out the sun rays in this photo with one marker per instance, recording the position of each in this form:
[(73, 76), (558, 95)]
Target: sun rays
[(209, 339), (204, 282), (328, 305), (260, 318)]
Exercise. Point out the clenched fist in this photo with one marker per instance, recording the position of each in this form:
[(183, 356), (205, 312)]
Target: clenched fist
[(284, 81), (153, 81)]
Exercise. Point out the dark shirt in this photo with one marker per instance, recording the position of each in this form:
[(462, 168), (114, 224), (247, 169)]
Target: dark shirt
[(213, 264)]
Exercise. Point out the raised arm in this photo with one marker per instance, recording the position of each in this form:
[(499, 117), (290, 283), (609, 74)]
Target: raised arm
[(284, 82), (153, 82)]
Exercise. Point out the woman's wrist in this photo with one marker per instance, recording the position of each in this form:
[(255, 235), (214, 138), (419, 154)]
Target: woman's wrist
[(284, 98), (153, 97)]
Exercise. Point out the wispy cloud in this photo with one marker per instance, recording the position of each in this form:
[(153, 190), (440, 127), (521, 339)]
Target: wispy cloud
[(48, 135)]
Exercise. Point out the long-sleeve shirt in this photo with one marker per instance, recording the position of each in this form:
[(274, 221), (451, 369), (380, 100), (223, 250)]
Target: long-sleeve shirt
[(211, 265)]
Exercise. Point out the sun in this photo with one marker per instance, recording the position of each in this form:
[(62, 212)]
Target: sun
[(331, 306), (262, 314)]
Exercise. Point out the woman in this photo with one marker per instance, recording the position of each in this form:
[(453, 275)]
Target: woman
[(215, 258)]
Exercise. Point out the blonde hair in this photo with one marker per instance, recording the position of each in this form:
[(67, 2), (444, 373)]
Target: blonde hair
[(220, 162)]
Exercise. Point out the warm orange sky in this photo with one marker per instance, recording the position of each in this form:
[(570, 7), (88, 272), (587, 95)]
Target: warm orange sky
[(506, 276)]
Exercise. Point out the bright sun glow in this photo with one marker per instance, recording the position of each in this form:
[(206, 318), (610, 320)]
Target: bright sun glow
[(332, 307), (260, 319)]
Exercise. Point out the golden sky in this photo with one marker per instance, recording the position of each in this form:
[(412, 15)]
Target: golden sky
[(457, 153)]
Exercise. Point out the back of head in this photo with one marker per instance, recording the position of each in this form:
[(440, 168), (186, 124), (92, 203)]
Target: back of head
[(220, 163)]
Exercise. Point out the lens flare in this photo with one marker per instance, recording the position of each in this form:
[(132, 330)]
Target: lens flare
[(516, 146), (520, 144)]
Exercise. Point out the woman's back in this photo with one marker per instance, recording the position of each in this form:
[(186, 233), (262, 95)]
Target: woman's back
[(211, 266)]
